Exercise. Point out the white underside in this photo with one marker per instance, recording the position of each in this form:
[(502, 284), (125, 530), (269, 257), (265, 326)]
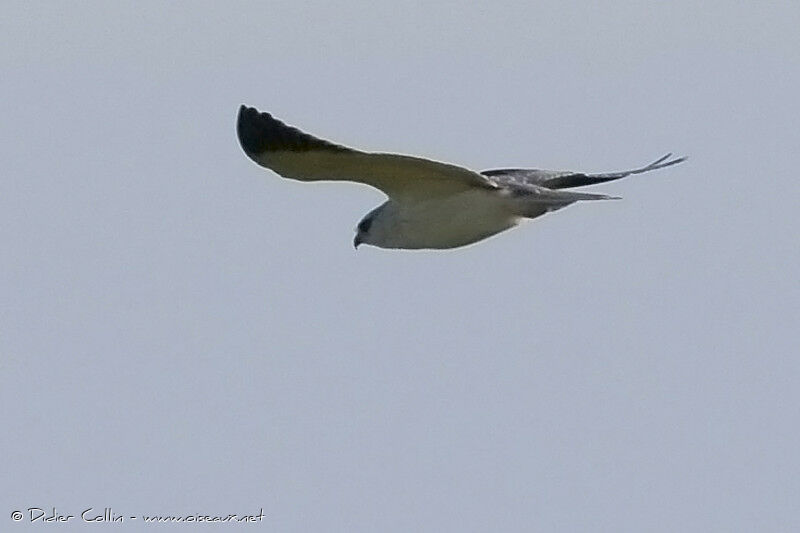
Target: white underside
[(449, 222)]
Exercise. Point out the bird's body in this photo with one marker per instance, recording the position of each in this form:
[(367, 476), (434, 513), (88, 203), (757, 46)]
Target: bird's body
[(431, 205), (443, 222)]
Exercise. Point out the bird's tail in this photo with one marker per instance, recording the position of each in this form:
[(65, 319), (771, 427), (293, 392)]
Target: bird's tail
[(545, 196), (542, 200)]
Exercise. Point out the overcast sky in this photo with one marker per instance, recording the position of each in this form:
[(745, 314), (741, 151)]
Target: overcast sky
[(183, 332)]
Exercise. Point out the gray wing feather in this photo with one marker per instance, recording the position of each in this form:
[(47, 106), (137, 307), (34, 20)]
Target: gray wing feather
[(560, 179)]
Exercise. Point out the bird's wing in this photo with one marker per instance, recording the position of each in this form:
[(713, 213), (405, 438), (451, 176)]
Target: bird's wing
[(297, 155), (559, 179)]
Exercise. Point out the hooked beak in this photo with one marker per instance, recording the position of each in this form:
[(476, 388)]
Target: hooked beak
[(356, 242)]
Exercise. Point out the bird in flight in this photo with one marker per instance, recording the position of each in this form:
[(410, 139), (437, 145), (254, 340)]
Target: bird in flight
[(431, 205)]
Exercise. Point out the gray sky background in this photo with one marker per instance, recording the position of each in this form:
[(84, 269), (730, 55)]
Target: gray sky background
[(183, 332)]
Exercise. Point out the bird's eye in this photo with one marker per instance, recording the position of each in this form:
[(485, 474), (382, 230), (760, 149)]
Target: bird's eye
[(364, 225)]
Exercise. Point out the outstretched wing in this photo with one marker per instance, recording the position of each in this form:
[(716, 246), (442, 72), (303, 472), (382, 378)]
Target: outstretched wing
[(556, 179), (297, 155)]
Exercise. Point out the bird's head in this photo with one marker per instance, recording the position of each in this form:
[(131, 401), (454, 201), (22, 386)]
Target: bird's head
[(373, 228)]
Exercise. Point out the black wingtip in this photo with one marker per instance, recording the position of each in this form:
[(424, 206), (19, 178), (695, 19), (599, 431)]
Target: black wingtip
[(260, 132), (252, 130)]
